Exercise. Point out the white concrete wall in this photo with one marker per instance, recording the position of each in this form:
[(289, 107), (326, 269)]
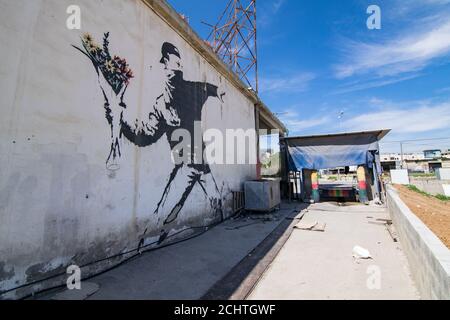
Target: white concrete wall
[(431, 186), (59, 204), (428, 257), (443, 174), (400, 176)]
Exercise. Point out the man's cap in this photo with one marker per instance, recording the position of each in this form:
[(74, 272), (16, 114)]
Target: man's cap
[(168, 48)]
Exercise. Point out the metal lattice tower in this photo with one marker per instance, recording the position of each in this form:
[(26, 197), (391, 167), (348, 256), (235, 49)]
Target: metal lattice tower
[(233, 39)]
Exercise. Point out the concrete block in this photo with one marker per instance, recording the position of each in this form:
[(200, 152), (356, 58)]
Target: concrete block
[(262, 195), (443, 173), (446, 188), (399, 176), (433, 186)]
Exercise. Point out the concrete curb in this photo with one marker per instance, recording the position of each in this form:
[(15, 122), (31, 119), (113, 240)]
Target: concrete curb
[(428, 257)]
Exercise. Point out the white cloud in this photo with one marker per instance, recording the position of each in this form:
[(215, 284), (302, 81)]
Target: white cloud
[(297, 122), (295, 83), (410, 52), (443, 90), (373, 84), (277, 5), (268, 11), (422, 118), (437, 1), (407, 120)]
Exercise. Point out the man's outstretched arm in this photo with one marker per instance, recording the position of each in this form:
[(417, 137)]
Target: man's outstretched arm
[(214, 91), (206, 90)]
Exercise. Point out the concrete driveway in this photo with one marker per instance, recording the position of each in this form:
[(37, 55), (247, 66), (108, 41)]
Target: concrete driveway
[(320, 265)]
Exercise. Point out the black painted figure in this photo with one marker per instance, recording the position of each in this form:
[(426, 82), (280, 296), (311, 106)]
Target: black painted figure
[(178, 107)]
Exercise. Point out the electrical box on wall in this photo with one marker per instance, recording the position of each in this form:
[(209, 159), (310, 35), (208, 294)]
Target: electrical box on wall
[(262, 195)]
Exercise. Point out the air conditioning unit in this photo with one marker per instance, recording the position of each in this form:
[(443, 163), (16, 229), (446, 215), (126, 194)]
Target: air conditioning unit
[(262, 195)]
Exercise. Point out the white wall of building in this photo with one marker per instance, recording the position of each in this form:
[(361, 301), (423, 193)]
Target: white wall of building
[(59, 204)]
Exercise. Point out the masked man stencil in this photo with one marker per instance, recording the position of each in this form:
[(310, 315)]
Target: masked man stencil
[(179, 106)]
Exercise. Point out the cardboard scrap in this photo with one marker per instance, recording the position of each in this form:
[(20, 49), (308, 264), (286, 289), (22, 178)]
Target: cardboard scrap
[(305, 225), (311, 226), (319, 227)]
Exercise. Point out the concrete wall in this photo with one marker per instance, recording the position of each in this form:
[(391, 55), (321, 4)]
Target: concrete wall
[(431, 186), (61, 201), (443, 174), (428, 257)]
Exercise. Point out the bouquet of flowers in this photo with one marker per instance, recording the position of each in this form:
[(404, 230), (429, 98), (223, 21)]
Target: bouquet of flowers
[(115, 69)]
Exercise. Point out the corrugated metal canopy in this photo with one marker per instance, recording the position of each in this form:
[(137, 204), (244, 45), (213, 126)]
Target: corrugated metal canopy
[(333, 150), (323, 138)]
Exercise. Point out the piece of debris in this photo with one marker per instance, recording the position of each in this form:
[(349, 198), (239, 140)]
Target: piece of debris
[(392, 233), (389, 226), (377, 223), (320, 227), (387, 221), (311, 226), (361, 253), (305, 225)]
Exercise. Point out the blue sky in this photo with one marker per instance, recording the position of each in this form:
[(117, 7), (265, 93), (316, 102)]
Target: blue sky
[(317, 58)]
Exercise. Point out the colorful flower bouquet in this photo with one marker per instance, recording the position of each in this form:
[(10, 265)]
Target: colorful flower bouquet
[(115, 69)]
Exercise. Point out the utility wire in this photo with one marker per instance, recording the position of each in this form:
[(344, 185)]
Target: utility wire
[(414, 140)]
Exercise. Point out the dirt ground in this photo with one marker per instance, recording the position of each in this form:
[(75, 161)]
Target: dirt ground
[(433, 212)]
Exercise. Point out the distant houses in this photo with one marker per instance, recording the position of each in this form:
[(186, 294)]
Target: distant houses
[(421, 162)]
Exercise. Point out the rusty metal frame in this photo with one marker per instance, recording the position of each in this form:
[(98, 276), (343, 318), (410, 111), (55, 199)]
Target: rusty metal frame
[(234, 39)]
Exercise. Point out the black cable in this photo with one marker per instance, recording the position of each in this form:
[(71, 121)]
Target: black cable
[(138, 249)]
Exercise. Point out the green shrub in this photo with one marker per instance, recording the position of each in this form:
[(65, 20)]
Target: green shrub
[(442, 197), (415, 189), (422, 175), (439, 196)]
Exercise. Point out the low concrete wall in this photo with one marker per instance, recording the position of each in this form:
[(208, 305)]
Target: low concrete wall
[(443, 173), (428, 257), (431, 186)]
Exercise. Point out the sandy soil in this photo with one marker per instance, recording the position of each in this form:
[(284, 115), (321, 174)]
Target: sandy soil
[(433, 212)]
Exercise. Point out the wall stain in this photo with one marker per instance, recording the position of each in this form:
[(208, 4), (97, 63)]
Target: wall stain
[(6, 274), (9, 190)]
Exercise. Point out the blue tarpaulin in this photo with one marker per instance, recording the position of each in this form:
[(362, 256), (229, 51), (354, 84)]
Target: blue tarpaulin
[(331, 151)]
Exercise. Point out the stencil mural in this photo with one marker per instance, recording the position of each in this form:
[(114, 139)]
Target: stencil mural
[(179, 106)]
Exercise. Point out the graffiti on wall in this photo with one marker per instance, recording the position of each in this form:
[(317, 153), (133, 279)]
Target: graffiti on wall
[(179, 106)]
